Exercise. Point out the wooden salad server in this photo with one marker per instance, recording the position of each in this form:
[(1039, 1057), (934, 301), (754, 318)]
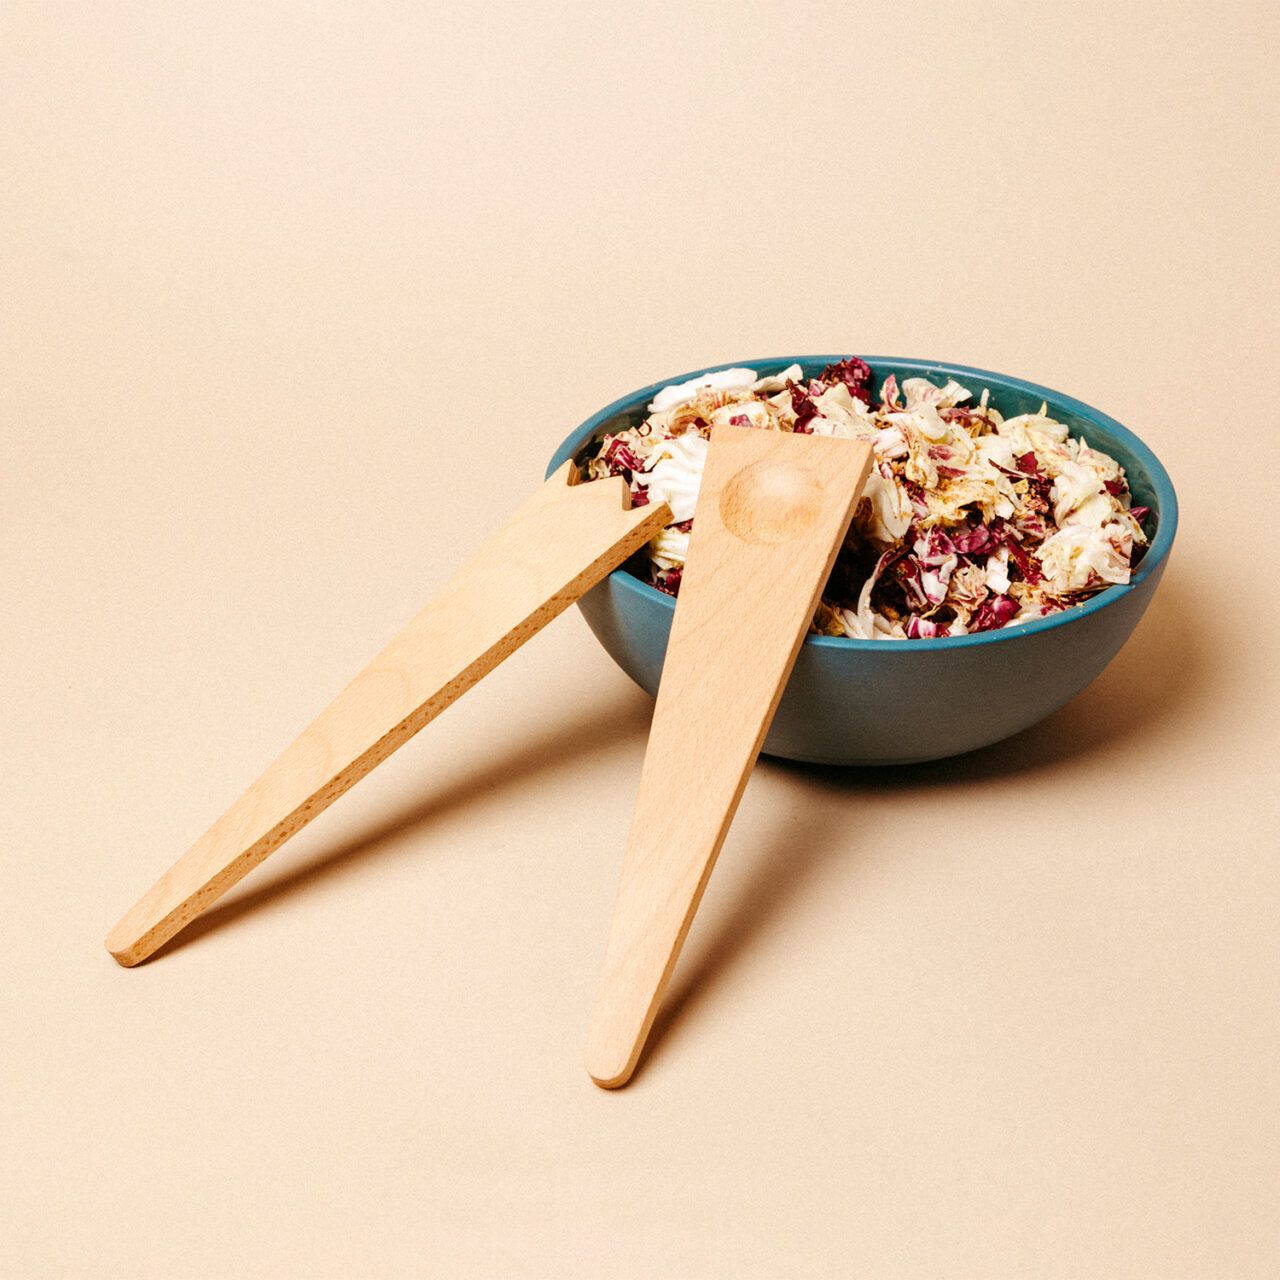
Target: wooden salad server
[(559, 544), (773, 510)]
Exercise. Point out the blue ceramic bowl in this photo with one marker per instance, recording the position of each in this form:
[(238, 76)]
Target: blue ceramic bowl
[(864, 702)]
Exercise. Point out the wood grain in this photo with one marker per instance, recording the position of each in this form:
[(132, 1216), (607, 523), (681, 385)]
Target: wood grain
[(554, 548), (772, 512)]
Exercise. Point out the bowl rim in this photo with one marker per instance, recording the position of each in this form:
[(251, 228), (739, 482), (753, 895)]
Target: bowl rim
[(1165, 499)]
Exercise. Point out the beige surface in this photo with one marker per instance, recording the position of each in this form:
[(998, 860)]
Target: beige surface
[(273, 278)]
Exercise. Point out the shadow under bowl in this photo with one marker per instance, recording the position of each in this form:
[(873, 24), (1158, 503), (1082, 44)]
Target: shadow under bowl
[(883, 702)]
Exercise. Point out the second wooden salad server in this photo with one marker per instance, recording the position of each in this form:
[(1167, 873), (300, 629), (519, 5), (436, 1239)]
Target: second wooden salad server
[(554, 548), (772, 512)]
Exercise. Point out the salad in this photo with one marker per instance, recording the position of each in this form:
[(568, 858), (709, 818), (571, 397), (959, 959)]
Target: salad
[(969, 521)]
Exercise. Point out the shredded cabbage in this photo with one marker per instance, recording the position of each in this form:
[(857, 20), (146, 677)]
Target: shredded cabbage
[(969, 521)]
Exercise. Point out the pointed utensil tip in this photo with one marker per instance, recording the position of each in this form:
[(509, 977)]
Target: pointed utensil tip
[(125, 954), (609, 1075)]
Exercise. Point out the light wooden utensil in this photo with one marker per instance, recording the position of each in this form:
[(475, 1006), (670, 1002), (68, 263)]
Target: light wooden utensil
[(772, 512), (555, 547)]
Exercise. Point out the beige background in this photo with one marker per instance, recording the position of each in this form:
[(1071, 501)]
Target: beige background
[(297, 302)]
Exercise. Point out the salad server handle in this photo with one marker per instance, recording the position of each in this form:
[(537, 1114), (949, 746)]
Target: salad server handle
[(772, 512), (559, 544)]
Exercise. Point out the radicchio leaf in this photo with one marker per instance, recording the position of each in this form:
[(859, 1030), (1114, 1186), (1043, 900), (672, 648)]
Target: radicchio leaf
[(993, 612), (919, 628), (854, 373), (803, 407), (668, 580)]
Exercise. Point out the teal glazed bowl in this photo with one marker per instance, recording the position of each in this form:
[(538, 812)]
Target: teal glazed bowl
[(884, 702)]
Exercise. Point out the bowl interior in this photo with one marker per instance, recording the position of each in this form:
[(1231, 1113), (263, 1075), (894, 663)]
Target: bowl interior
[(1148, 481)]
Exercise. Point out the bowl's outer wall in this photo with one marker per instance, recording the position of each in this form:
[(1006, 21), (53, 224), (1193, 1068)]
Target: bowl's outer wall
[(892, 702), (854, 707)]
